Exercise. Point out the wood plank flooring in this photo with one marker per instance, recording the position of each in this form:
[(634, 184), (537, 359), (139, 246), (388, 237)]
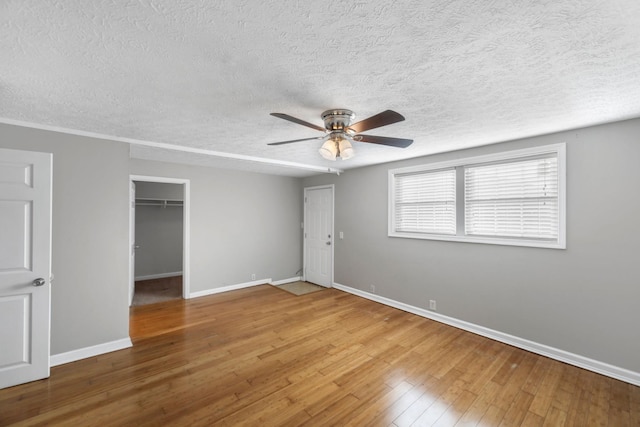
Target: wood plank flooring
[(260, 356)]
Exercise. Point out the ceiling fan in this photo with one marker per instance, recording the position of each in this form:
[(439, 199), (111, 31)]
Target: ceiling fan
[(340, 131)]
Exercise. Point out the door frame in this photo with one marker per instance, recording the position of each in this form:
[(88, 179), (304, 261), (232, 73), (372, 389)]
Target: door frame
[(304, 231), (186, 227)]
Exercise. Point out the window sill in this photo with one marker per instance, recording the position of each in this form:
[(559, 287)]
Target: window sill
[(561, 244)]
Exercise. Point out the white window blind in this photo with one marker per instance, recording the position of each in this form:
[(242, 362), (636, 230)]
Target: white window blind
[(425, 202), (514, 199)]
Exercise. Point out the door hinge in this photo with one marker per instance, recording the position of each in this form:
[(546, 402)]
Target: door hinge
[(305, 200)]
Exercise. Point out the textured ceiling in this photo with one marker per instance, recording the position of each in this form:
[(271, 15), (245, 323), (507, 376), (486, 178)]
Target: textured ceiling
[(206, 74)]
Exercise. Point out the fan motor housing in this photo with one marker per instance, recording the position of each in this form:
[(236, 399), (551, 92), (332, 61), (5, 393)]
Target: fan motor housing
[(337, 119)]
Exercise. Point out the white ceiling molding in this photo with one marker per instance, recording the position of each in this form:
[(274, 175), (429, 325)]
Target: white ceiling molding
[(173, 147)]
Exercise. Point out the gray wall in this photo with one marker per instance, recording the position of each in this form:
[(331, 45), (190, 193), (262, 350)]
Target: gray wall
[(583, 299), (241, 223), (89, 296), (158, 230)]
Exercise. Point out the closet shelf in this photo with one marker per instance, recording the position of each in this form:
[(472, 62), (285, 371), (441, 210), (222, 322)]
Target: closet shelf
[(158, 202)]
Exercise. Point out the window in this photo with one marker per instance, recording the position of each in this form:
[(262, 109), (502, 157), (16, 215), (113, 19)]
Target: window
[(513, 199), (510, 198), (426, 202)]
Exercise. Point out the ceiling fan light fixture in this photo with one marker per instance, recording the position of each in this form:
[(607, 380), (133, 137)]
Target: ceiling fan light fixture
[(329, 149), (338, 124), (345, 149)]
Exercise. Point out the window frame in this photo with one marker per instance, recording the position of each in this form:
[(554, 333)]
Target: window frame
[(559, 150)]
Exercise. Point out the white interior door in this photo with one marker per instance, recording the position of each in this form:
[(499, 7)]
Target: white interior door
[(318, 241), (25, 265)]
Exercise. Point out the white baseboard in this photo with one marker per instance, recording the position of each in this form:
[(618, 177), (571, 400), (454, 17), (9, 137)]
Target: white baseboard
[(229, 288), (534, 347), (159, 275), (94, 350), (283, 281)]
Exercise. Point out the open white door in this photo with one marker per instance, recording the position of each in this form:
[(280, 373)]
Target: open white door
[(318, 235), (25, 266)]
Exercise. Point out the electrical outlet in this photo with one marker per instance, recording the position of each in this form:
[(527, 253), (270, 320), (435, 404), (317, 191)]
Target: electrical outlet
[(253, 276), (373, 289), (341, 235), (432, 304)]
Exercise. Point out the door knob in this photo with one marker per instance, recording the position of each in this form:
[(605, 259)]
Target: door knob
[(328, 243), (39, 282)]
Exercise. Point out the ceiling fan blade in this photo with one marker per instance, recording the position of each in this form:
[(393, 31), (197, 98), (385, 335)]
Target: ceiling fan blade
[(295, 140), (298, 121), (381, 119), (384, 140)]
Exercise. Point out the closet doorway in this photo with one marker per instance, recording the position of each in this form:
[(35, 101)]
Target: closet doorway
[(158, 235)]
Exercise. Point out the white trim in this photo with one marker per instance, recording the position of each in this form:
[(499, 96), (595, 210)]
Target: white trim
[(561, 150), (333, 228), (486, 240), (486, 158), (186, 226), (558, 149), (159, 275), (229, 288), (86, 352), (603, 368), (186, 240), (174, 147), (283, 281), (132, 232)]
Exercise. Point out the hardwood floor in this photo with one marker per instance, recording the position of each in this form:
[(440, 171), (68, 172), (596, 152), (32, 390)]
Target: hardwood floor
[(260, 356)]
